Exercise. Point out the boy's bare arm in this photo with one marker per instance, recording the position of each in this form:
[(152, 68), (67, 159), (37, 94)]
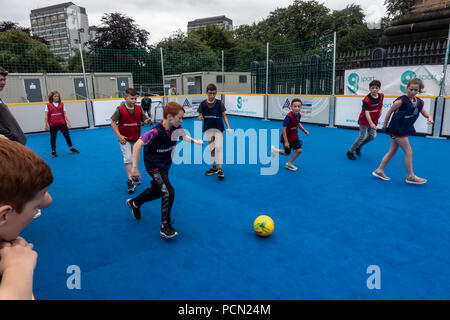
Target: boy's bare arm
[(285, 136), (303, 129), (117, 132), (192, 140), (369, 119), (135, 156), (226, 121)]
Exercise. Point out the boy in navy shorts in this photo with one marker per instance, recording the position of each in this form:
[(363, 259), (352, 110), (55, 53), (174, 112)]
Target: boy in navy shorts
[(159, 143), (212, 112), (289, 136)]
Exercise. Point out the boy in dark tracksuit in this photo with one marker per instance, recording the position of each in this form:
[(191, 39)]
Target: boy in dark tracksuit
[(159, 143)]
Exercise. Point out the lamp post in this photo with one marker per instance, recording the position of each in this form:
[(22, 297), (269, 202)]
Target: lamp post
[(90, 110), (80, 44)]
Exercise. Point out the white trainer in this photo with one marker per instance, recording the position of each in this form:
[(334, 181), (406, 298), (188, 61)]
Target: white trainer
[(290, 166)]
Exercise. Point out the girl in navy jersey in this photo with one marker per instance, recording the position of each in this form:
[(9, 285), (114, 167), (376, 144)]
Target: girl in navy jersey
[(368, 119), (159, 143), (212, 112), (289, 136), (56, 118), (405, 110)]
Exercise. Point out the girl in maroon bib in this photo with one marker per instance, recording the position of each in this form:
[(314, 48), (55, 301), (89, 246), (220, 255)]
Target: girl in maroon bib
[(56, 120)]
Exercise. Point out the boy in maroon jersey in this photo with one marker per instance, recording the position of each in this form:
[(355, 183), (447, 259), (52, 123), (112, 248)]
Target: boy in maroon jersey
[(289, 136), (368, 119), (128, 117)]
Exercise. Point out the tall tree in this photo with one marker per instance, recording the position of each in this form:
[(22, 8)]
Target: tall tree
[(118, 31), (215, 37), (188, 53), (21, 53), (10, 25), (397, 8)]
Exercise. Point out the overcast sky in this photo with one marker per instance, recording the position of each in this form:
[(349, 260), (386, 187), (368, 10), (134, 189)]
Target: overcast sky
[(163, 18)]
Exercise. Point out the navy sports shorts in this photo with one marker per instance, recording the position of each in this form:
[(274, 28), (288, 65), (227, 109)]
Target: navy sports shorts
[(296, 144)]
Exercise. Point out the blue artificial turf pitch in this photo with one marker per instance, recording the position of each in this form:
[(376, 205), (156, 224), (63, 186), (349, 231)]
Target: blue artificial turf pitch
[(333, 220)]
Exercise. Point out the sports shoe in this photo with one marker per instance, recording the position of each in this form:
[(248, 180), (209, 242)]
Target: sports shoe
[(54, 154), (290, 166), (350, 155), (135, 211), (380, 175), (415, 180), (73, 150), (212, 171), (131, 186), (358, 152), (220, 174), (38, 214), (136, 180), (167, 231)]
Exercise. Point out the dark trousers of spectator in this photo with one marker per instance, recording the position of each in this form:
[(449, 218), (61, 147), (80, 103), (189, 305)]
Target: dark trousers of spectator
[(65, 131)]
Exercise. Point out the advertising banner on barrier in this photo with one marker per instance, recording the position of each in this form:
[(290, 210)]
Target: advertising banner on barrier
[(348, 109), (314, 109), (27, 113), (393, 79), (245, 105), (104, 109), (190, 103), (446, 118)]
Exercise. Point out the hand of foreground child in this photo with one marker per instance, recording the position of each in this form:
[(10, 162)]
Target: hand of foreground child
[(17, 255)]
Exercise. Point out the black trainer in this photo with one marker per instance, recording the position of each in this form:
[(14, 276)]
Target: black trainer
[(54, 153), (350, 155), (358, 152), (135, 211), (220, 174), (136, 180), (167, 231), (212, 171), (73, 150), (131, 186)]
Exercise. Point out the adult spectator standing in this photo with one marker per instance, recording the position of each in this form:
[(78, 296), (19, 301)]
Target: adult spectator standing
[(9, 127)]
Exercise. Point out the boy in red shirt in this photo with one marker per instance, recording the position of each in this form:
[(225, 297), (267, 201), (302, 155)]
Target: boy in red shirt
[(289, 136), (368, 118), (126, 123)]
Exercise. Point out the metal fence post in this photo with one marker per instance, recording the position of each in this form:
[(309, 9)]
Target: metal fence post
[(439, 109), (163, 80), (223, 74), (333, 85), (266, 97)]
